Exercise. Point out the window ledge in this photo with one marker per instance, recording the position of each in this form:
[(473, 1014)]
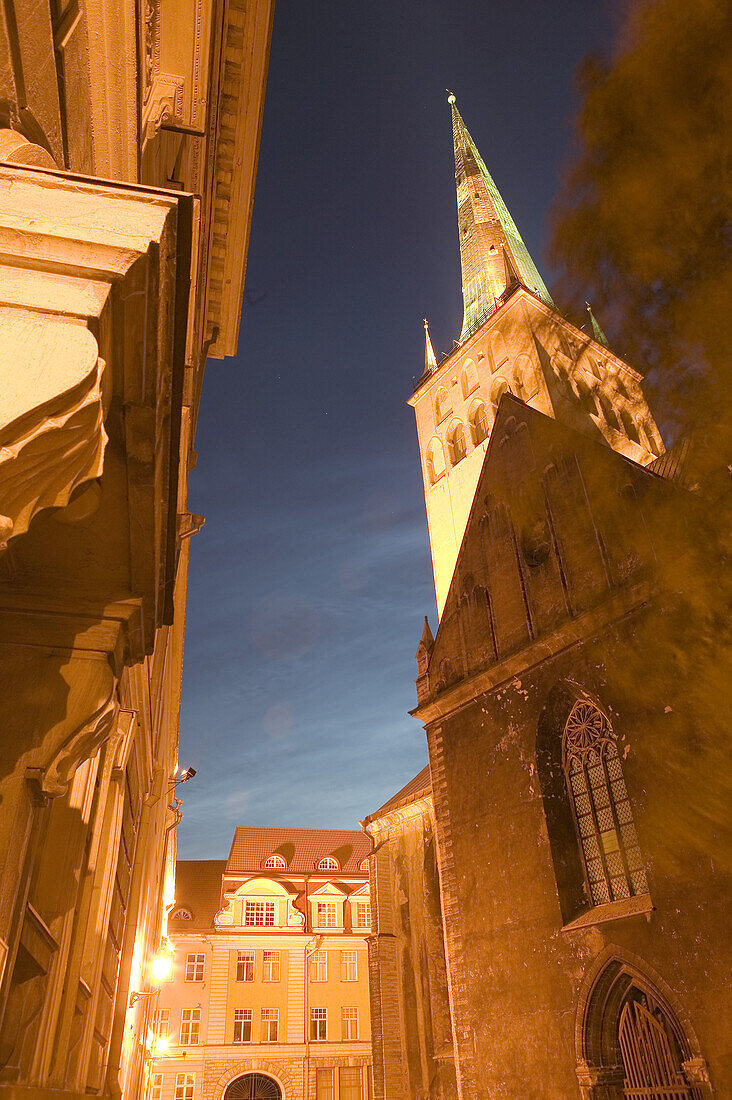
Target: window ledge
[(614, 910)]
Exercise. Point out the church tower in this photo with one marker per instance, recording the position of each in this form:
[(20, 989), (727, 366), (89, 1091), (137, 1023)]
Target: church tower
[(513, 340)]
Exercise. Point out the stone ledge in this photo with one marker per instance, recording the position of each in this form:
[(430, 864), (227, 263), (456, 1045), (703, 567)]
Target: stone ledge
[(614, 910)]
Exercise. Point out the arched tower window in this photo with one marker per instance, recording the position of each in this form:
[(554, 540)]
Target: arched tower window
[(442, 404), (650, 438), (478, 420), (586, 397), (602, 812), (456, 447), (500, 386), (629, 424), (607, 410), (499, 350), (468, 378), (435, 460)]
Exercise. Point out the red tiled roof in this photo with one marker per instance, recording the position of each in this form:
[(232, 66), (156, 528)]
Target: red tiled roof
[(197, 890), (416, 788), (302, 849)]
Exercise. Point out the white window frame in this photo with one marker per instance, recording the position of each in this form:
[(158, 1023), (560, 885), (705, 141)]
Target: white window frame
[(262, 912), (349, 966), (349, 1023), (190, 1027), (318, 1025), (270, 966), (323, 910), (275, 863), (242, 1017), (156, 1086), (270, 1017), (245, 960), (363, 914), (319, 963), (329, 863), (185, 1086), (195, 967), (161, 1023)]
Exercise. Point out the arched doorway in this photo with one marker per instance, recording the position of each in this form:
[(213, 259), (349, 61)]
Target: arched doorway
[(633, 1045), (253, 1086)]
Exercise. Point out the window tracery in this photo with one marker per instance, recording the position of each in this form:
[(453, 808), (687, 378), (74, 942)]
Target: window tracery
[(602, 811)]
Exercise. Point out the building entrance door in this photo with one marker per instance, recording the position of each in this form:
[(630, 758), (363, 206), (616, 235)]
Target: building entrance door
[(253, 1086), (651, 1062)]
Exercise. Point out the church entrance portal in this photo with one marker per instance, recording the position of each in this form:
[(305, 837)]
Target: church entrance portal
[(253, 1086)]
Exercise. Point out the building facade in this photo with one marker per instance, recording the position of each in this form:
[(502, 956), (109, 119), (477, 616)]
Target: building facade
[(128, 148), (577, 785), (269, 999)]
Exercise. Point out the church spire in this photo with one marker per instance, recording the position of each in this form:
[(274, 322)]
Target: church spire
[(491, 248), (429, 352), (596, 330)]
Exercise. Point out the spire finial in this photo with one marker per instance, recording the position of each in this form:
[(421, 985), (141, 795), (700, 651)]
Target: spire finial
[(597, 332), (450, 97), (430, 362)]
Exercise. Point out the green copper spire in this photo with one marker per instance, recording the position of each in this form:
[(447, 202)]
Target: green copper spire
[(429, 352), (491, 248), (596, 330)]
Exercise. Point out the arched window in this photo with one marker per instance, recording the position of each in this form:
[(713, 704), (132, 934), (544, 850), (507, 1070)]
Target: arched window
[(435, 460), (607, 410), (274, 862), (594, 368), (443, 404), (329, 864), (499, 387), (499, 350), (602, 812), (650, 437), (586, 397), (629, 424), (181, 914), (478, 420), (468, 378), (456, 448)]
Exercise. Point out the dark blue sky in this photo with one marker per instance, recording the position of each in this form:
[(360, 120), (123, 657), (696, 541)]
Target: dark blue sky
[(310, 579)]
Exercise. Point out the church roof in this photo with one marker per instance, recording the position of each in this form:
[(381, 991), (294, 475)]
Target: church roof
[(197, 893), (302, 849), (492, 251), (416, 788)]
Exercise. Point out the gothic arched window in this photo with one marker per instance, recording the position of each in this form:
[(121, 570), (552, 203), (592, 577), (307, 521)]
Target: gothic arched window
[(500, 386), (478, 420), (629, 424), (586, 396), (442, 404), (456, 447), (607, 410), (468, 378), (435, 461), (499, 350), (602, 811)]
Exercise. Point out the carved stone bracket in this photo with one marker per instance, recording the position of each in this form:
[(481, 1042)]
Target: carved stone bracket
[(164, 104), (696, 1071), (52, 437), (80, 745)]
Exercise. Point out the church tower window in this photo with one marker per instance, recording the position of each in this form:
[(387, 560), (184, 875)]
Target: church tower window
[(629, 424), (500, 387), (468, 378), (602, 812), (478, 419), (443, 404), (435, 461), (456, 447)]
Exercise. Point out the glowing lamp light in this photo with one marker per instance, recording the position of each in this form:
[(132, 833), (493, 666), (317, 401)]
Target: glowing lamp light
[(160, 1045), (162, 967)]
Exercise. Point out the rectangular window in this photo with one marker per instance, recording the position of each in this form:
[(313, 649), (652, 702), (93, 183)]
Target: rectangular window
[(363, 914), (351, 1078), (259, 914), (194, 967), (318, 1024), (245, 966), (324, 1085), (270, 1023), (242, 1025), (156, 1087), (349, 1023), (349, 966), (184, 1086), (319, 966), (161, 1023), (190, 1026), (270, 966), (327, 914)]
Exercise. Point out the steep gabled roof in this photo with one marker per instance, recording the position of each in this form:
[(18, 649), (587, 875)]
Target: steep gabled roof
[(416, 788), (198, 892), (302, 849)]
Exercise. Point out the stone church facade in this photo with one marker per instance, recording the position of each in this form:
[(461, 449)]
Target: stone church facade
[(576, 798)]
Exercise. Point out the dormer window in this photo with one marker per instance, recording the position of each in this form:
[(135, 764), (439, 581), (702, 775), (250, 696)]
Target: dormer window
[(182, 914), (274, 863), (330, 863)]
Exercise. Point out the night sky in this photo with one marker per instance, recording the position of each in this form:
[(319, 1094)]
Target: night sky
[(310, 580)]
